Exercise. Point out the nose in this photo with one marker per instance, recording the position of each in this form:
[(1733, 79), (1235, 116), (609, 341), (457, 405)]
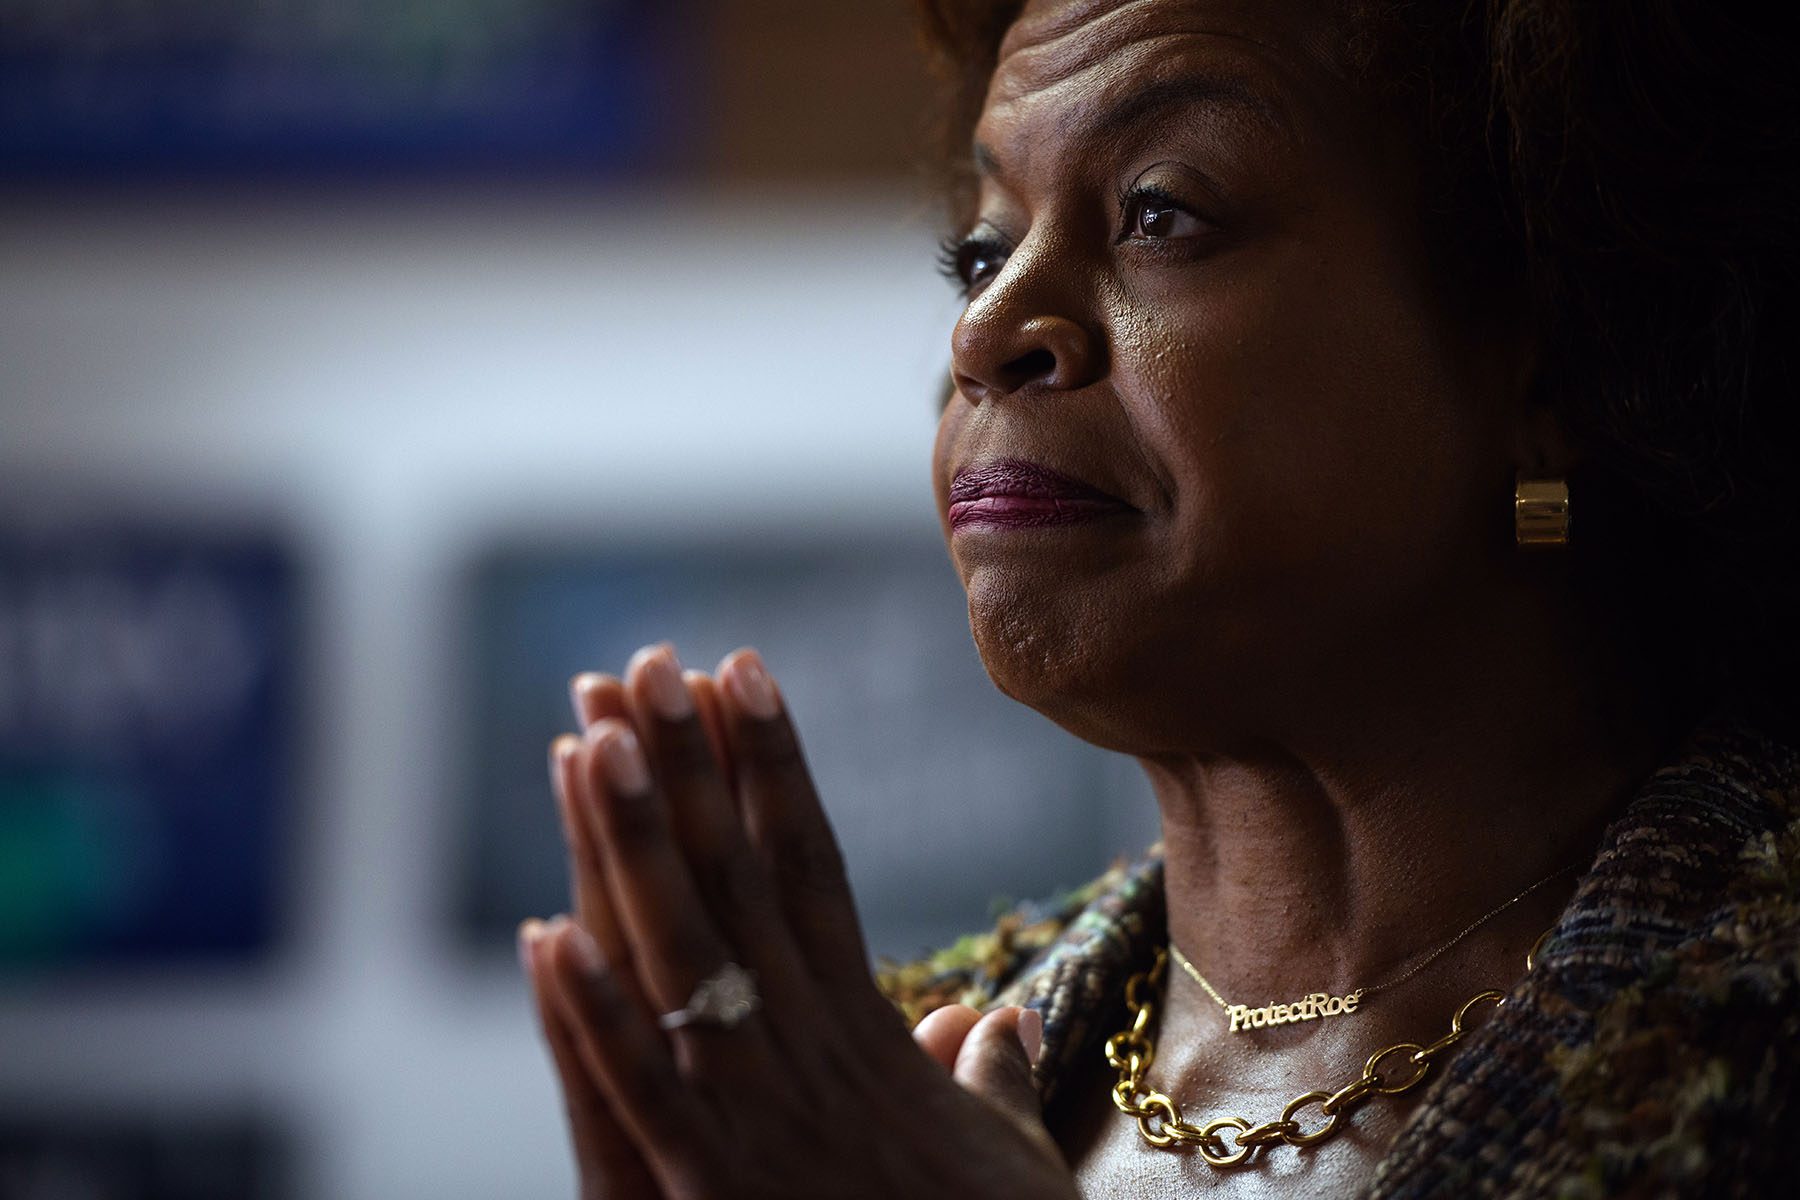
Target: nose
[(1016, 334)]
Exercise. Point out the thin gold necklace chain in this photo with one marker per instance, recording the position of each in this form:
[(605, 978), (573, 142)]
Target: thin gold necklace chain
[(1193, 972), (1131, 1051)]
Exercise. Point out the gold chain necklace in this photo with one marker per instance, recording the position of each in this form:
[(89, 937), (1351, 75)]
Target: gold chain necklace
[(1323, 1004), (1159, 1119)]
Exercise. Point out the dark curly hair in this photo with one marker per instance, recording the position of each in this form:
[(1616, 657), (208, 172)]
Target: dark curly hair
[(1624, 170)]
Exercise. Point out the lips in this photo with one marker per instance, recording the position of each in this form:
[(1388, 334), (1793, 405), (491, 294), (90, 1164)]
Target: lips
[(1014, 492)]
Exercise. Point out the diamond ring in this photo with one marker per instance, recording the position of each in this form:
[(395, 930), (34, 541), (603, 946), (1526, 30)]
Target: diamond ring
[(723, 998)]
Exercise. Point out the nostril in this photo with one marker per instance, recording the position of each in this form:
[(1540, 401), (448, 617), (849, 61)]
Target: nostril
[(1032, 365)]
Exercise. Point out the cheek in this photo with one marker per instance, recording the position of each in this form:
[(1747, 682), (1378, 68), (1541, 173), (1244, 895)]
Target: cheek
[(1309, 414)]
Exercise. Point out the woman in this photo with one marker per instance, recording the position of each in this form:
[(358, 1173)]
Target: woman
[(1373, 418)]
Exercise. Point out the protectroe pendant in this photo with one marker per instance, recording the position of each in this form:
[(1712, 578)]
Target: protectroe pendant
[(1319, 1004)]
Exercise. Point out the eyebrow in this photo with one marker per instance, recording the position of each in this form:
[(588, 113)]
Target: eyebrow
[(1218, 91)]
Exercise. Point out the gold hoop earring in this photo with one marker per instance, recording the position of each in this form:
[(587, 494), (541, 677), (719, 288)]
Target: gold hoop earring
[(1541, 510)]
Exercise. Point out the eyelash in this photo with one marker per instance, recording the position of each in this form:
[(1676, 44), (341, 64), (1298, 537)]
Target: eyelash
[(956, 250), (1151, 193)]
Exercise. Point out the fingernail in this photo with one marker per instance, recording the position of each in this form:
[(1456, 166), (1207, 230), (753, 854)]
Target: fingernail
[(530, 930), (623, 759), (755, 690), (579, 687), (1031, 1033), (661, 674), (586, 950), (560, 749)]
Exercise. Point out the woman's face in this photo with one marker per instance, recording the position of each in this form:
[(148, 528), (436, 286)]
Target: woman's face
[(1197, 283)]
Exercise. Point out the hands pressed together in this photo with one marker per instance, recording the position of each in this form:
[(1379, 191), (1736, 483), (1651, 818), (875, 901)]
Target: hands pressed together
[(696, 839)]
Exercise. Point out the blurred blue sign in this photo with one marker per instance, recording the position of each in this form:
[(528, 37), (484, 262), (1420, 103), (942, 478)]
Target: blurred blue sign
[(106, 87), (146, 735), (155, 1157)]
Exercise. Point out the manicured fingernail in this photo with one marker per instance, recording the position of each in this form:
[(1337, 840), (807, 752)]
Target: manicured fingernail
[(754, 690), (1031, 1033), (623, 759), (530, 931), (585, 949), (661, 674), (579, 687), (562, 748)]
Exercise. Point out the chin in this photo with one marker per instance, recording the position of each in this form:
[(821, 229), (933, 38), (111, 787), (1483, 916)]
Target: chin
[(1065, 653), (1111, 667), (1036, 642)]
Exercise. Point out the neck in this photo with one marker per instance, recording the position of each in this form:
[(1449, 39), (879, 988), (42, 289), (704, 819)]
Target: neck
[(1336, 861)]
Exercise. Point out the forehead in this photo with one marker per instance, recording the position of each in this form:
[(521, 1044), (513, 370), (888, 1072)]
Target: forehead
[(1064, 61)]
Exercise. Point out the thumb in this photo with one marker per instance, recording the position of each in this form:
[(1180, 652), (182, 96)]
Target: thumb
[(942, 1030), (995, 1064)]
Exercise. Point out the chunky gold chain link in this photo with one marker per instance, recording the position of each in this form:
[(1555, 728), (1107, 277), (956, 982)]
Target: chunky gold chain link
[(1388, 1072)]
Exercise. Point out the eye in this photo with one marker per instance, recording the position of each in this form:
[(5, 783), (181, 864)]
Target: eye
[(1150, 214), (969, 259)]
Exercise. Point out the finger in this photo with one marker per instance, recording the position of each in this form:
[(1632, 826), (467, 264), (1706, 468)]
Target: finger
[(675, 942), (706, 698), (789, 826), (595, 695), (652, 892), (996, 1064), (625, 1056), (940, 1033), (688, 770), (608, 1164), (732, 882), (586, 871)]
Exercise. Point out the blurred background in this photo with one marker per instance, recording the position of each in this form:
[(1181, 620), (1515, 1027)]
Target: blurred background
[(367, 368)]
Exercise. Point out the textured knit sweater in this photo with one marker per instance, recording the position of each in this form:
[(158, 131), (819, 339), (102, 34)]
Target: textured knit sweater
[(1653, 1051)]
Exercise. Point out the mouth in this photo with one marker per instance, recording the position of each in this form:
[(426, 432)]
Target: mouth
[(1014, 493)]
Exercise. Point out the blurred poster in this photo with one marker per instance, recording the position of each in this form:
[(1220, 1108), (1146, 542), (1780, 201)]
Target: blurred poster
[(146, 732), (141, 1159), (948, 797), (124, 87)]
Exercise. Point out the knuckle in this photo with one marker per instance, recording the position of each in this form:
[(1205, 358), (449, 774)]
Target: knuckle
[(772, 742), (695, 1180), (810, 864), (735, 881), (634, 822), (604, 1002), (587, 857), (683, 745), (609, 987), (693, 946)]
